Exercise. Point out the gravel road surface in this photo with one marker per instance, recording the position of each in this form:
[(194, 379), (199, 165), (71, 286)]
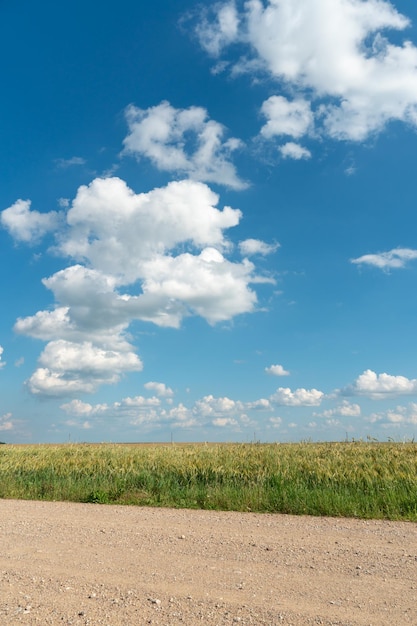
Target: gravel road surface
[(65, 563)]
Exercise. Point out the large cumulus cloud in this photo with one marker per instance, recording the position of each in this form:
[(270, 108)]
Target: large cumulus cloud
[(155, 257)]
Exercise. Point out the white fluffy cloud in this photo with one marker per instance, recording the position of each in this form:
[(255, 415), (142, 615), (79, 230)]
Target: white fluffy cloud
[(225, 29), (209, 406), (393, 259), (379, 386), (401, 415), (291, 150), (2, 363), (183, 141), (68, 368), (154, 412), (27, 225), (286, 118), (155, 257), (300, 397), (333, 53), (116, 230), (277, 370), (250, 247), (160, 389)]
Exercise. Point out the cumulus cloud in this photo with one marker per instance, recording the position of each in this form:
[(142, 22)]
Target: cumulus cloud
[(399, 416), (250, 247), (393, 259), (68, 368), (379, 386), (214, 35), (300, 397), (116, 230), (27, 225), (332, 53), (206, 412), (2, 363), (209, 406), (155, 257), (160, 389), (184, 141), (286, 118), (276, 370), (294, 151)]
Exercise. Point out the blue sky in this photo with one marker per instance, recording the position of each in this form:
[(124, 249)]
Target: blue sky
[(207, 220)]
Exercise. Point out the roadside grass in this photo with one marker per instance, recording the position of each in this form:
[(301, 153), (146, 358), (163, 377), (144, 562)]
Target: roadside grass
[(349, 479)]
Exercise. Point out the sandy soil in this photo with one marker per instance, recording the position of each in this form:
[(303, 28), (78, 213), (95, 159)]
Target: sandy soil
[(63, 563)]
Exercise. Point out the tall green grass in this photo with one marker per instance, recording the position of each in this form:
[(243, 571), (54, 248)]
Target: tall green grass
[(355, 479)]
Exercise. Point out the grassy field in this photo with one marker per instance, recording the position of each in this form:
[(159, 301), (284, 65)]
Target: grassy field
[(353, 479)]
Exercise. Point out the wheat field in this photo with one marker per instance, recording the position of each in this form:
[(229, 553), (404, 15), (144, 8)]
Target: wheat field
[(351, 479)]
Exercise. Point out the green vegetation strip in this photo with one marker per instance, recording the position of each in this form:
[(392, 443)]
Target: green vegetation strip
[(355, 479)]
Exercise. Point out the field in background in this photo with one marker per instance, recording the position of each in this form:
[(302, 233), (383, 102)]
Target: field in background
[(351, 479)]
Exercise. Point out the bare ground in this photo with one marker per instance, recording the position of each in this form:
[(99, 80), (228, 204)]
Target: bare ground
[(64, 563)]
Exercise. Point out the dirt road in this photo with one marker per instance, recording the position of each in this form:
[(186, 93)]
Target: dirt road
[(63, 563)]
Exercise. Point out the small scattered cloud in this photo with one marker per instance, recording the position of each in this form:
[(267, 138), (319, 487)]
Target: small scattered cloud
[(250, 247), (294, 151), (6, 422), (345, 409), (184, 141), (208, 411), (277, 370), (300, 397), (285, 117), (393, 259), (223, 30), (160, 389), (26, 225), (2, 363), (79, 408), (399, 416), (210, 406), (224, 422)]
